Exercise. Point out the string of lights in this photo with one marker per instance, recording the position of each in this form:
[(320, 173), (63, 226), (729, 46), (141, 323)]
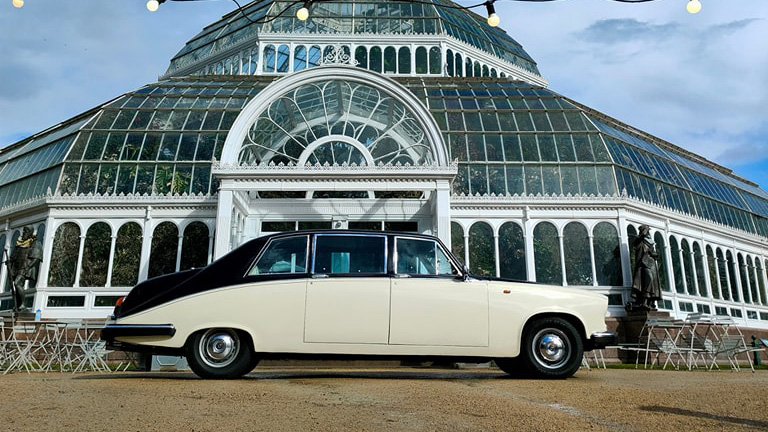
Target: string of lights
[(693, 6)]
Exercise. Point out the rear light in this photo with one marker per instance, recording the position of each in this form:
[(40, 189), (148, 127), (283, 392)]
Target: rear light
[(118, 303)]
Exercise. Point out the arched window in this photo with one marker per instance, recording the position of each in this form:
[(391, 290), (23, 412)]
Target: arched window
[(314, 56), (512, 252), (482, 260), (661, 250), (477, 69), (194, 246), (688, 266), (722, 267), (459, 65), (578, 261), (743, 277), (11, 247), (421, 60), (125, 265), (40, 234), (762, 272), (269, 58), (361, 57), (714, 280), (752, 280), (375, 59), (98, 241), (732, 275), (468, 67), (64, 254), (404, 60), (607, 255), (677, 267), (3, 286), (390, 60), (162, 255), (494, 74), (283, 58), (254, 60), (700, 278), (457, 241), (546, 254), (486, 71), (435, 61), (449, 63), (300, 58)]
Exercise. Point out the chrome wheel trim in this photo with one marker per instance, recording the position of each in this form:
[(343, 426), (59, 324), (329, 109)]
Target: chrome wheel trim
[(551, 348), (219, 348)]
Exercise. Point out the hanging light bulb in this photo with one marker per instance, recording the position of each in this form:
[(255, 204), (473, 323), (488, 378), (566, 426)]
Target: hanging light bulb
[(493, 19), (303, 13), (18, 3), (152, 5), (694, 6)]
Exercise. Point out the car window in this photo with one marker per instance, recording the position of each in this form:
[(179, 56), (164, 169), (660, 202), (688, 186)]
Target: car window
[(350, 254), (286, 255), (422, 257)]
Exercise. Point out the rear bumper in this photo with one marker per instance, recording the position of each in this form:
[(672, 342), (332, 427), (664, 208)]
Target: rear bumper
[(112, 331), (600, 340)]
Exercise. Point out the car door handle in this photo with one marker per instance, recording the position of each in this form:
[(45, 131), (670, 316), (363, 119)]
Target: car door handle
[(319, 276)]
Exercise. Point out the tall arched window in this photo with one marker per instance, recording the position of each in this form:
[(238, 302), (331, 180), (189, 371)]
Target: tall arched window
[(512, 252), (361, 57), (435, 60), (11, 247), (459, 65), (162, 255), (631, 237), (752, 280), (607, 255), (688, 266), (125, 265), (661, 250), (732, 269), (482, 260), (375, 59), (578, 261), (300, 58), (457, 241), (315, 56), (546, 254), (449, 63), (98, 241), (468, 67), (404, 60), (194, 246), (421, 60), (743, 277), (761, 275), (714, 280), (2, 254), (35, 272), (390, 60), (700, 278), (64, 254), (269, 58), (283, 58), (677, 268), (722, 267)]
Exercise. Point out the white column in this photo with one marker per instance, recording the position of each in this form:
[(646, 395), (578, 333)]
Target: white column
[(562, 257), (717, 275), (705, 263), (530, 258), (756, 290), (223, 220), (496, 251), (626, 263), (146, 244), (111, 260), (681, 257), (179, 243), (442, 211), (47, 245), (79, 260), (4, 251), (592, 257)]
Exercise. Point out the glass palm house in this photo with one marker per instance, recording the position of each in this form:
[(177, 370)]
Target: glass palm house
[(372, 115)]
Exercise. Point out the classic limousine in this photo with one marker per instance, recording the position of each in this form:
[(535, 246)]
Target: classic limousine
[(327, 294)]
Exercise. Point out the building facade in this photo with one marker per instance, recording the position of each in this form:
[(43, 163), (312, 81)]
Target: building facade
[(374, 115)]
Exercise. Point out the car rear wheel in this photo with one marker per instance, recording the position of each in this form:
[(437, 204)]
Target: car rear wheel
[(220, 354), (552, 348)]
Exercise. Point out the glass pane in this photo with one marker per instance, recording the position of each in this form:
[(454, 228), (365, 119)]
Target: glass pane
[(66, 246), (344, 254), (512, 263), (546, 251), (578, 262), (287, 255), (482, 259), (607, 255), (457, 241), (125, 265), (162, 256)]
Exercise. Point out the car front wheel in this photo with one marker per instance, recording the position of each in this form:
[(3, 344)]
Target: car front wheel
[(552, 348), (220, 354)]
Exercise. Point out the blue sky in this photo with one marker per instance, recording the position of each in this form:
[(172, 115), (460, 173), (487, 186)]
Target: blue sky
[(698, 81)]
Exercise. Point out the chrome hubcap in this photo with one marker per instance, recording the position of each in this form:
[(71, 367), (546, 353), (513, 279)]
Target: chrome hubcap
[(550, 347), (218, 348)]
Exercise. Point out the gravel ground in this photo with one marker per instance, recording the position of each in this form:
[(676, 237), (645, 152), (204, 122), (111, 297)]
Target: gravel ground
[(398, 399)]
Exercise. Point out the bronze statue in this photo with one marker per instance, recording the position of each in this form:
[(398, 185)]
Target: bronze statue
[(23, 265), (646, 290)]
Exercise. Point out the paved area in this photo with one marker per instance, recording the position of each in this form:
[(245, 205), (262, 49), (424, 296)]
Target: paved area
[(386, 399)]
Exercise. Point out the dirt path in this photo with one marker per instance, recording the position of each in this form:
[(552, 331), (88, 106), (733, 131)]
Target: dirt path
[(410, 399)]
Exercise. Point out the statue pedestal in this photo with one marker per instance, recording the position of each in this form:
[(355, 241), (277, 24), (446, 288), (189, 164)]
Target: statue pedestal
[(629, 328)]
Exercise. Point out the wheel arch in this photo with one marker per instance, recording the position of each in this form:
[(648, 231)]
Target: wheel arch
[(572, 319)]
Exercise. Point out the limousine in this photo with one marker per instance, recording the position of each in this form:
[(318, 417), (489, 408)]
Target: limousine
[(355, 294)]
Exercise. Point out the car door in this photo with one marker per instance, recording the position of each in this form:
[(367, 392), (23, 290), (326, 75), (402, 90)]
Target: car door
[(347, 298), (430, 306)]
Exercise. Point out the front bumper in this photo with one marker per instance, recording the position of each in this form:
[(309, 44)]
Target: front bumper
[(600, 340), (112, 331)]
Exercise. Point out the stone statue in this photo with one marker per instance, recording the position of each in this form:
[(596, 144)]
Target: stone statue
[(23, 265), (646, 290)]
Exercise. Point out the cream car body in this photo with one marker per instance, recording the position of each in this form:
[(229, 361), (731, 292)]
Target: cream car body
[(417, 302)]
